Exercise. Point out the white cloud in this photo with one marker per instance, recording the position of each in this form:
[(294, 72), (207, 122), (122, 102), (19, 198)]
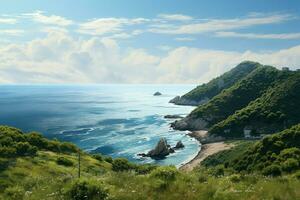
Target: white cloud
[(103, 26), (175, 17), (62, 58), (140, 57), (11, 32), (184, 39), (213, 25), (50, 29), (137, 32), (164, 47), (39, 16), (121, 36), (193, 65), (282, 36), (8, 21)]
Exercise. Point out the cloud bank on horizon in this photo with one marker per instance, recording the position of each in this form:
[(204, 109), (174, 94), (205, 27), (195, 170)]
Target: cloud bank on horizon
[(43, 47)]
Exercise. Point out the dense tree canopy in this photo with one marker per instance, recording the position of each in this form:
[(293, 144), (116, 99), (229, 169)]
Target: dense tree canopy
[(278, 151), (275, 110), (215, 86), (239, 95)]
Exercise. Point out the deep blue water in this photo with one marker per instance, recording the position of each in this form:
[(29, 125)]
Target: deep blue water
[(116, 120)]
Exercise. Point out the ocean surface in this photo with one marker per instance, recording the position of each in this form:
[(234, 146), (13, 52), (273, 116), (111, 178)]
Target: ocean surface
[(115, 120)]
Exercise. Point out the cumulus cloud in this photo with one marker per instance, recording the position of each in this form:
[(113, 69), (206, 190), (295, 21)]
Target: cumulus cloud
[(62, 58), (194, 65), (40, 17)]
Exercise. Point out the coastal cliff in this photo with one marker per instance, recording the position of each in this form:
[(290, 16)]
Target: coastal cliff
[(229, 113)]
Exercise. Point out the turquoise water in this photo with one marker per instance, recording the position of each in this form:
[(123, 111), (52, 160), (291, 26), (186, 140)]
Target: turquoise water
[(115, 120)]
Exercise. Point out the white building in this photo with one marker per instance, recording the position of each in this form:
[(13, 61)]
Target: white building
[(247, 132)]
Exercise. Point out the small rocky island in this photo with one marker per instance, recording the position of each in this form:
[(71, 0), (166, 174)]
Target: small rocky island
[(162, 149), (173, 117), (157, 94)]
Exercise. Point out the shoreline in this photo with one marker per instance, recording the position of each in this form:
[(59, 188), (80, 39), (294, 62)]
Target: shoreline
[(205, 150)]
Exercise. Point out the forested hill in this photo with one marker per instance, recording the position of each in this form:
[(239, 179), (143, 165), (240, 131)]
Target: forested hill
[(276, 109), (234, 98), (239, 95), (201, 94), (273, 154)]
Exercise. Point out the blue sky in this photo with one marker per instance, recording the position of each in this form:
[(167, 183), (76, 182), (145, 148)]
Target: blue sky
[(139, 41)]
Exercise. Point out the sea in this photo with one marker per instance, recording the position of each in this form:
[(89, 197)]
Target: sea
[(112, 119)]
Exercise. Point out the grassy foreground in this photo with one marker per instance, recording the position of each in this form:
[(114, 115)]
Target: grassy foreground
[(53, 174)]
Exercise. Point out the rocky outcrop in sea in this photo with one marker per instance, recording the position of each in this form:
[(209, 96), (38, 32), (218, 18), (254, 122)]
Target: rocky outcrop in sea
[(178, 100), (189, 123), (162, 149), (173, 117), (157, 94)]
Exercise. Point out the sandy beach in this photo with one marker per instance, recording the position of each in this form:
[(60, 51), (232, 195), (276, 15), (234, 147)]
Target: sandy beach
[(206, 150)]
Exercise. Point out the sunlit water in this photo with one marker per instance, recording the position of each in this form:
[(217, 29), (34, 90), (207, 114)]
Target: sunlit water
[(116, 120)]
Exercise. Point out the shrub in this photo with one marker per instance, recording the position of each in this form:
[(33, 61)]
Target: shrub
[(159, 184), (290, 153), (297, 175), (64, 161), (165, 173), (290, 165), (98, 157), (6, 141), (53, 145), (8, 152), (108, 159), (14, 193), (90, 190), (235, 178), (3, 163), (218, 171), (68, 147), (121, 164), (144, 169), (36, 139), (25, 149), (272, 170), (202, 178)]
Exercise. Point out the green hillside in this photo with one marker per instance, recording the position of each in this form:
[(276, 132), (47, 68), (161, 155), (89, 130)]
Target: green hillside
[(204, 92), (34, 168), (276, 109), (239, 95), (277, 153), (274, 155)]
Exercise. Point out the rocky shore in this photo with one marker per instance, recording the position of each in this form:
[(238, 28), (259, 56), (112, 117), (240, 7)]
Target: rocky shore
[(189, 123), (178, 100)]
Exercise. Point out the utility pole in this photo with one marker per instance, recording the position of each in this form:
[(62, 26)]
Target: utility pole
[(78, 164)]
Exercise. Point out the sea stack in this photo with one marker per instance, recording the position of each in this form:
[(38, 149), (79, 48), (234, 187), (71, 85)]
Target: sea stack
[(179, 145), (162, 149)]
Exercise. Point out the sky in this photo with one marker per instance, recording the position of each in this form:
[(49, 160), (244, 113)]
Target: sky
[(143, 41)]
